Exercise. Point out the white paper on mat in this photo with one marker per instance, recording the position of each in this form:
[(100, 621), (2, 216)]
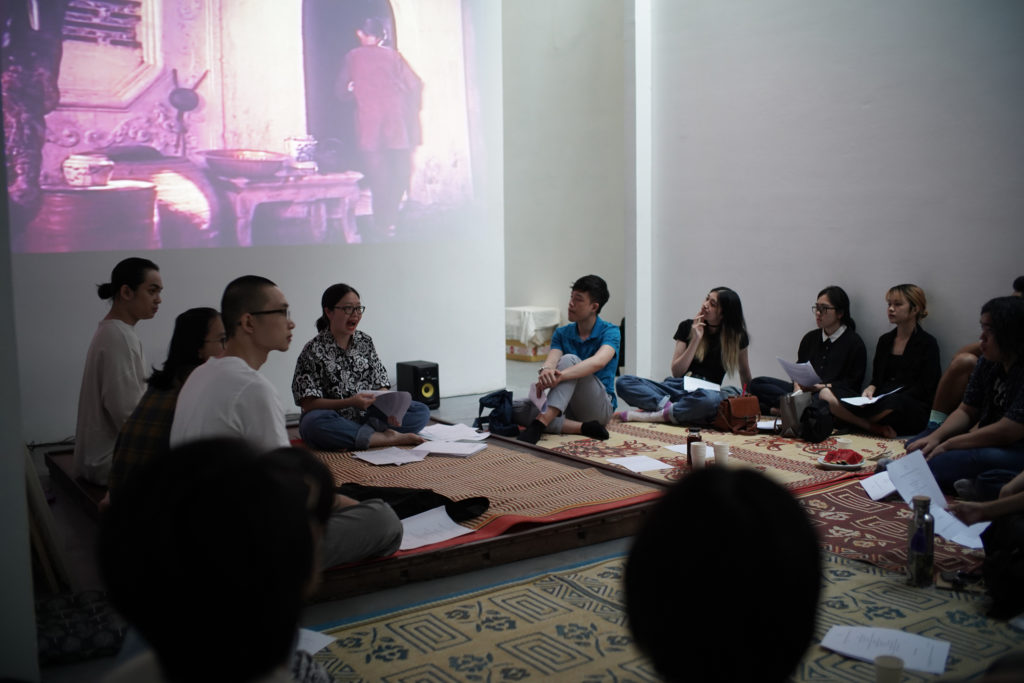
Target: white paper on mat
[(640, 463), (460, 448), (865, 643), (694, 383), (912, 477), (312, 641), (432, 526), (767, 425), (801, 373), (389, 456), (878, 485), (456, 432), (678, 448), (952, 529)]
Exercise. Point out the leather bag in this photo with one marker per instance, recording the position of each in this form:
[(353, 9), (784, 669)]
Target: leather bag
[(738, 415)]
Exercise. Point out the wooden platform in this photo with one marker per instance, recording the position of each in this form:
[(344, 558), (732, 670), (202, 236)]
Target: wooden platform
[(61, 465)]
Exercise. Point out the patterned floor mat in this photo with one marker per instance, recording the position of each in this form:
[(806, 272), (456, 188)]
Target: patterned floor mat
[(790, 462), (570, 625)]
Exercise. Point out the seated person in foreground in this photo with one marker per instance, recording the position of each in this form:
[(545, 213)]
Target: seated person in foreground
[(751, 545), (954, 380), (198, 335), (114, 377), (986, 432), (334, 376), (579, 370), (228, 396), (907, 359), (350, 530), (834, 350), (708, 346), (211, 537)]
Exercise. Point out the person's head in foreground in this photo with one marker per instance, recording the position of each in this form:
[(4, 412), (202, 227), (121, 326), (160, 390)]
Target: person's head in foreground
[(209, 553), (722, 581)]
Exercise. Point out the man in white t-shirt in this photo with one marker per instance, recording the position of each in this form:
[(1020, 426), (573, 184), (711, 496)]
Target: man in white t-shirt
[(228, 396)]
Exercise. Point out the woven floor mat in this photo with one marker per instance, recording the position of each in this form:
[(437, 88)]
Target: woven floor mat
[(852, 525), (570, 626), (520, 486), (790, 462)]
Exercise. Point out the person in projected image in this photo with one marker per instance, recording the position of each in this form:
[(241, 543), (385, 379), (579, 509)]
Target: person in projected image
[(115, 369), (387, 96), (834, 350), (579, 371), (146, 434), (334, 376), (228, 396)]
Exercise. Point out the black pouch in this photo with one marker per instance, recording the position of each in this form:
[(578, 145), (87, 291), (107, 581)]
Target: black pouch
[(499, 421)]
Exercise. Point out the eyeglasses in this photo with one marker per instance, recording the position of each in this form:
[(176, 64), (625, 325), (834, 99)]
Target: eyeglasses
[(222, 340), (282, 311), (822, 308), (349, 310)]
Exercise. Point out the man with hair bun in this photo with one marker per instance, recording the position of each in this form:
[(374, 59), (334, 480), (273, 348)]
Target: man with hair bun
[(114, 377)]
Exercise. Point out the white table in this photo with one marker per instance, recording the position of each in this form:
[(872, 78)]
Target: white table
[(531, 325)]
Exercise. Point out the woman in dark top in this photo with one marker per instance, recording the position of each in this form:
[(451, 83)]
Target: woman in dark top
[(834, 350), (907, 362), (709, 346)]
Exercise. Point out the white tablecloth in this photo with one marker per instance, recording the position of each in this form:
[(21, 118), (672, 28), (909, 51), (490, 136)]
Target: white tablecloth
[(531, 325)]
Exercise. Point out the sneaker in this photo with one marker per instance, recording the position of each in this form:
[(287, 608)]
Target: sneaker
[(965, 489)]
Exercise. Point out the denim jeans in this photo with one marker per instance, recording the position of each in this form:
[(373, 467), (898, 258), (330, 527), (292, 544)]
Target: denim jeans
[(328, 430), (990, 467), (688, 407), (769, 391)]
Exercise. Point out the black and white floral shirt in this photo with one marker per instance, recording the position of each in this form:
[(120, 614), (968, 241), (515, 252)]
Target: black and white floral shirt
[(325, 370)]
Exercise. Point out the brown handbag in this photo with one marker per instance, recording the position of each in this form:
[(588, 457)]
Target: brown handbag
[(738, 415)]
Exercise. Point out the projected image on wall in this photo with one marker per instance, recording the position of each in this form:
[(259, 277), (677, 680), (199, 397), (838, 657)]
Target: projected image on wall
[(151, 124)]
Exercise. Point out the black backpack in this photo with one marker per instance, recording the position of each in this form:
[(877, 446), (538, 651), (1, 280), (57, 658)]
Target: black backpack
[(816, 421), (499, 421)]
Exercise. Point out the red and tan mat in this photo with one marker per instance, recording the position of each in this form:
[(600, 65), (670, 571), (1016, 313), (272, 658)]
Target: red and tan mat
[(853, 526), (790, 462), (523, 488)]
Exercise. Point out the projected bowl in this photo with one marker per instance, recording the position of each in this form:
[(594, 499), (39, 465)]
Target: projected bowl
[(244, 163)]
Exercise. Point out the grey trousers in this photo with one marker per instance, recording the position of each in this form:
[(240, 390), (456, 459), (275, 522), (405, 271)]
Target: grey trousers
[(582, 399), (369, 529)]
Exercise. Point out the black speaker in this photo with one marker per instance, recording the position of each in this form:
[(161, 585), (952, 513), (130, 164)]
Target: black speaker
[(419, 378)]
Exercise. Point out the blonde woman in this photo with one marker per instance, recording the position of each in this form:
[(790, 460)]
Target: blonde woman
[(906, 362)]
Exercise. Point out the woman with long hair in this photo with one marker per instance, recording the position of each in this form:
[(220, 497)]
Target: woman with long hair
[(115, 370), (708, 347), (906, 362), (335, 377), (833, 348), (145, 435)]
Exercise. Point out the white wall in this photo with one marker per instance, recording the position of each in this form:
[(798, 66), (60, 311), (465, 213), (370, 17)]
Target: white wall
[(800, 144), (566, 169), (439, 301)]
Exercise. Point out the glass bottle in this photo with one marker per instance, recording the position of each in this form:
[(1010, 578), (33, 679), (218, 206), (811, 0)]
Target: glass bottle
[(921, 544), (691, 436)]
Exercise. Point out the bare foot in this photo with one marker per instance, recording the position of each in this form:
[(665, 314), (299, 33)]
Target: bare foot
[(389, 437)]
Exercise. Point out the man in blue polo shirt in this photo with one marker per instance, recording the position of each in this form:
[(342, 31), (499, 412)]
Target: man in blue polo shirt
[(579, 369)]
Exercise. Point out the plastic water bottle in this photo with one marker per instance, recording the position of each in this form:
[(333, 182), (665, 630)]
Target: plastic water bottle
[(921, 544)]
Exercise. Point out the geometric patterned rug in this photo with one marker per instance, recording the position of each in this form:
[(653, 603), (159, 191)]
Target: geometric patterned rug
[(850, 524), (570, 625), (790, 462)]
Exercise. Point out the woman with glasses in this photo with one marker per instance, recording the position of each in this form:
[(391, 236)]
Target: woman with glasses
[(834, 350), (115, 369), (335, 376), (906, 363), (710, 345), (146, 434)]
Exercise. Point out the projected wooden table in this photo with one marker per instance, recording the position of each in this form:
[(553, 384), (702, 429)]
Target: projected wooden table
[(315, 189)]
